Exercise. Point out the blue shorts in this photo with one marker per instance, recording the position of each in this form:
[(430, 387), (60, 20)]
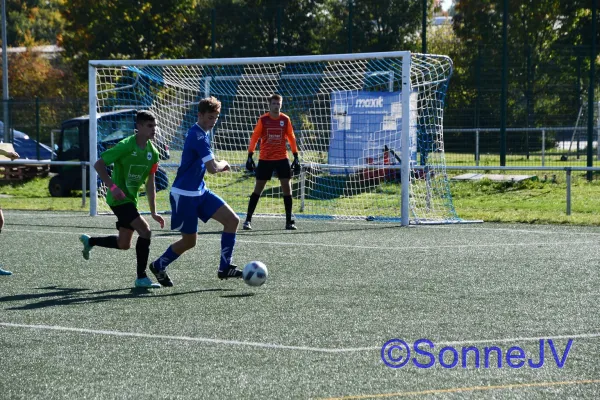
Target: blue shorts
[(185, 210)]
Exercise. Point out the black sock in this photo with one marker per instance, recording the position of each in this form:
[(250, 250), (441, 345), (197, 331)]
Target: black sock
[(287, 202), (110, 242), (142, 251), (252, 205)]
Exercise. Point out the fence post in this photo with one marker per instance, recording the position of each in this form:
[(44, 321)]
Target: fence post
[(543, 147), (477, 147), (213, 30), (83, 183), (302, 188), (37, 127), (568, 169)]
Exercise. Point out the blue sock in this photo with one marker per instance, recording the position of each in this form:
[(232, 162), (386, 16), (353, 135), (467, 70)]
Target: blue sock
[(167, 258), (227, 243)]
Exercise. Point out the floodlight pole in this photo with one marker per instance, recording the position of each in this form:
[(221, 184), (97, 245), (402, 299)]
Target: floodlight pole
[(4, 73)]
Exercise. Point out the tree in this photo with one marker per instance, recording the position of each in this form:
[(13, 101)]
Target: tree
[(124, 29), (543, 41), (33, 22), (264, 28)]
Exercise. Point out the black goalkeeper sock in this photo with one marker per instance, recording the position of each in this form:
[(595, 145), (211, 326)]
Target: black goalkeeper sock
[(110, 242), (142, 251), (252, 205), (287, 202)]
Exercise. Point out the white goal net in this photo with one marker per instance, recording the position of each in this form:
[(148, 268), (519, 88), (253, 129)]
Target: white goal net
[(357, 118)]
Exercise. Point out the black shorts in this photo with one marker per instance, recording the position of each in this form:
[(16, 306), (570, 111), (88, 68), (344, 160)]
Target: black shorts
[(265, 169), (126, 214)]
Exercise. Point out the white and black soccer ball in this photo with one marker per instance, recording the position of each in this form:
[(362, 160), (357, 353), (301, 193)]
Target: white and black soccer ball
[(255, 273)]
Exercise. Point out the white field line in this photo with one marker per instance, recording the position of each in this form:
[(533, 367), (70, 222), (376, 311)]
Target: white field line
[(184, 338), (360, 223), (328, 245), (277, 346)]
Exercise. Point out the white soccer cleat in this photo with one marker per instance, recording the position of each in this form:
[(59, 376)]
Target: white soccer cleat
[(146, 283)]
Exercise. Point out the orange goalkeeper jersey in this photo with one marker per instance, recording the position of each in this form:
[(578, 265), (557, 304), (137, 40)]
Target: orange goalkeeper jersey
[(272, 133)]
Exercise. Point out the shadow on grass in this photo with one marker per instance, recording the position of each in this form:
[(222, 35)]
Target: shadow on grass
[(278, 232), (230, 296), (68, 296)]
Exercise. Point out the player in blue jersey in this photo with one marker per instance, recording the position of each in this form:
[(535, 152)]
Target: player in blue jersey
[(192, 200)]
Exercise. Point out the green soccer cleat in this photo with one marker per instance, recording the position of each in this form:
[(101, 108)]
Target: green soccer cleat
[(85, 239), (146, 283)]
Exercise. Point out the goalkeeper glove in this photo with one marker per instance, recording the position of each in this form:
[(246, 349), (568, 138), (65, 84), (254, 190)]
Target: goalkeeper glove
[(296, 165), (250, 166)]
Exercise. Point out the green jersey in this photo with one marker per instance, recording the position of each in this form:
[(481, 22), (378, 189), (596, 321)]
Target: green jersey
[(132, 165)]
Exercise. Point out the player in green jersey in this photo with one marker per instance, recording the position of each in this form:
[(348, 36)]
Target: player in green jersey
[(135, 161)]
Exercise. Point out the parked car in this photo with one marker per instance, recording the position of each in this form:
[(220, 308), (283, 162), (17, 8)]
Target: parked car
[(27, 147), (73, 145)]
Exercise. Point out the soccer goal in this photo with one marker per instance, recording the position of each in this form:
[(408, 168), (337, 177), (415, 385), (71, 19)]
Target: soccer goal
[(368, 126)]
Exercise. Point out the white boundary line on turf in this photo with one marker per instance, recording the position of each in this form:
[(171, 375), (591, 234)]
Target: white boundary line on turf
[(184, 338), (386, 248), (541, 232), (363, 223), (279, 346)]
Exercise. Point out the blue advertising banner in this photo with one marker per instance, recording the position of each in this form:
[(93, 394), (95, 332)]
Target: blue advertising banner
[(365, 125)]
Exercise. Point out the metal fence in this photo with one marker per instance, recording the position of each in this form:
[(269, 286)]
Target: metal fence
[(548, 146)]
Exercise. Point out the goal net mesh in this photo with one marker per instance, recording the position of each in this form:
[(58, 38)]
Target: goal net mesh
[(347, 118)]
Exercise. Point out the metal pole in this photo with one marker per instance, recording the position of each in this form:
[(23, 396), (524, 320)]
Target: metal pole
[(37, 127), (477, 147), (504, 85), (590, 125), (424, 28), (4, 73), (83, 183), (350, 17), (213, 23), (598, 132), (279, 19), (405, 142), (92, 93), (569, 190), (302, 189), (543, 147)]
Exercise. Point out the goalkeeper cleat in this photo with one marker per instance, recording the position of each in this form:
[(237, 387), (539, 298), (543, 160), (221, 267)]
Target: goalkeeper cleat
[(146, 283), (230, 272), (247, 226), (161, 275), (291, 225), (85, 239), (5, 272)]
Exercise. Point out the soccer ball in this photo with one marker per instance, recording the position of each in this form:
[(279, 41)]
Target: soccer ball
[(255, 273)]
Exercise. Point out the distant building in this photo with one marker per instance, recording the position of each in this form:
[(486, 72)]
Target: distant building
[(440, 20), (48, 51)]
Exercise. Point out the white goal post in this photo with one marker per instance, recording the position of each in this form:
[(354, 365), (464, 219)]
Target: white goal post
[(357, 118)]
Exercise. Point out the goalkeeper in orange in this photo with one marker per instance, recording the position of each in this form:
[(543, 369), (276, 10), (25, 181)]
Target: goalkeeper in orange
[(273, 129)]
